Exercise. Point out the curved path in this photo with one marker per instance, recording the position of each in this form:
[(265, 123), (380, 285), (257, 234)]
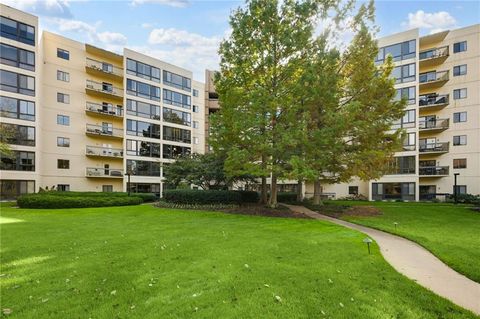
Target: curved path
[(417, 263)]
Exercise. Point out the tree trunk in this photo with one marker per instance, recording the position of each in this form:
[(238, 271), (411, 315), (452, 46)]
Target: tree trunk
[(263, 192), (299, 191), (273, 192), (317, 190)]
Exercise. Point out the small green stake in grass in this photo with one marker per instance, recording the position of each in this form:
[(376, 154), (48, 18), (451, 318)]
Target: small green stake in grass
[(368, 241)]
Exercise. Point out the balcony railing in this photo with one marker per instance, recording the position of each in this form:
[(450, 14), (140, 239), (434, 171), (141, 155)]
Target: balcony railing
[(104, 151), (439, 147), (103, 109), (104, 131), (104, 88), (433, 171), (104, 67), (437, 124), (433, 76), (433, 53), (104, 172), (430, 100)]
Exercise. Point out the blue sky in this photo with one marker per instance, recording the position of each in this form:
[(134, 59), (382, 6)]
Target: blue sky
[(187, 32)]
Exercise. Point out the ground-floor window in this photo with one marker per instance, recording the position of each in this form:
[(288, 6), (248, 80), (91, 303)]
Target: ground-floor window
[(461, 189), (63, 187), (352, 190), (107, 188), (405, 191), (145, 188), (10, 189)]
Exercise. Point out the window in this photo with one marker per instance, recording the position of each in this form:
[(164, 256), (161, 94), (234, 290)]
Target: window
[(17, 31), (460, 94), (402, 165), (176, 134), (11, 189), (460, 70), (63, 120), (382, 191), (63, 142), (63, 76), (63, 54), (407, 94), (196, 108), (18, 161), (143, 109), (63, 188), (460, 163), (63, 164), (143, 70), (459, 117), (460, 140), (17, 83), (143, 148), (178, 117), (139, 128), (173, 151), (195, 140), (18, 134), (461, 189), (177, 99), (399, 51), (63, 98), (178, 81), (195, 92), (404, 73), (107, 188), (409, 142), (407, 121), (107, 67), (352, 190), (195, 124), (460, 47), (143, 168), (17, 57), (143, 90), (17, 109)]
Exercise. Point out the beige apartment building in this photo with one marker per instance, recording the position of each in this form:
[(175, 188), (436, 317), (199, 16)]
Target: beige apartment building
[(87, 119)]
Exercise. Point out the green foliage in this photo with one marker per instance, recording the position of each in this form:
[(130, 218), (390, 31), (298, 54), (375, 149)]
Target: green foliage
[(287, 197), (146, 197), (54, 202), (191, 196), (465, 199), (249, 196), (164, 204)]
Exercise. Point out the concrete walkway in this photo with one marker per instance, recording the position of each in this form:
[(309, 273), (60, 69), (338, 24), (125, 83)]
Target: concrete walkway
[(415, 262)]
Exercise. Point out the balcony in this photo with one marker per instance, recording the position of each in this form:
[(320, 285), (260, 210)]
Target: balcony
[(433, 79), (98, 151), (433, 171), (434, 148), (103, 90), (433, 56), (104, 110), (433, 101), (100, 172), (436, 125), (104, 131), (103, 69)]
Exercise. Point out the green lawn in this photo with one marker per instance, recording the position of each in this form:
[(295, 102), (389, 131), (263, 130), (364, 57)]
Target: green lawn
[(450, 232), (144, 262)]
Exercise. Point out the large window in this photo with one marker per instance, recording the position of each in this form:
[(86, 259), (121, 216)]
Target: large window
[(461, 189), (17, 109), (139, 128), (17, 83), (405, 191), (143, 109), (18, 134), (18, 161), (143, 70), (145, 188), (460, 47), (402, 165), (404, 73), (407, 121), (17, 57), (178, 81), (176, 134), (18, 31), (142, 148), (143, 168), (410, 141), (144, 90), (399, 51), (11, 189), (173, 151), (177, 99), (407, 93), (178, 117)]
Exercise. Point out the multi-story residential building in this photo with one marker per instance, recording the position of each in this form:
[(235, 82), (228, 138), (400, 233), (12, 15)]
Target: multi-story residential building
[(87, 119), (211, 102)]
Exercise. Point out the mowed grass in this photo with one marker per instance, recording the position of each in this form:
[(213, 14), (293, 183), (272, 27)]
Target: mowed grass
[(145, 262), (451, 232)]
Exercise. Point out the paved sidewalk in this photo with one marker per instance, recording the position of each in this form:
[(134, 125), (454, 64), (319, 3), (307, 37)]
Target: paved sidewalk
[(415, 262)]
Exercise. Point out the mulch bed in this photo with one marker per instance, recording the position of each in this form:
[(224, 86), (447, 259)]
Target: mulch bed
[(261, 210), (339, 211)]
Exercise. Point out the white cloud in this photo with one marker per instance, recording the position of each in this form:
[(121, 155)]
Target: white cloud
[(434, 22), (171, 3), (112, 38), (181, 37), (49, 8)]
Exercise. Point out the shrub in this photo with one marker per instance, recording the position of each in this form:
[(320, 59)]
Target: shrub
[(164, 204), (465, 199), (190, 196), (46, 200), (146, 197), (249, 196), (287, 197)]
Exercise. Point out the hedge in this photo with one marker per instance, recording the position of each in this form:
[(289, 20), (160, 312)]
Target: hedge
[(147, 197), (190, 196), (249, 196), (52, 201), (287, 198)]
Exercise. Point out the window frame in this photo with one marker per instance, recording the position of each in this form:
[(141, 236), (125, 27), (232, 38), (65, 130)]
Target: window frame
[(18, 88), (460, 46), (459, 163), (63, 54), (17, 63), (457, 70), (18, 105), (17, 35), (459, 140)]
